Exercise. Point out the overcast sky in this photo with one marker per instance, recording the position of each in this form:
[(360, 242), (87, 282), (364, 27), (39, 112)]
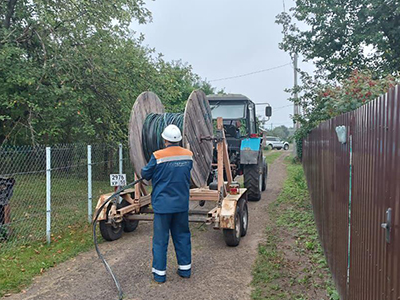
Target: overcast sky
[(224, 38)]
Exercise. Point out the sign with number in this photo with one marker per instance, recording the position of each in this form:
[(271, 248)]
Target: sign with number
[(117, 179)]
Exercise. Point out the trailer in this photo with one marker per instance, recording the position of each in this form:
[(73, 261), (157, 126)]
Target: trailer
[(229, 210)]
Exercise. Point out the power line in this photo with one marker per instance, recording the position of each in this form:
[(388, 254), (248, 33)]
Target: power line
[(276, 108), (280, 107), (251, 73)]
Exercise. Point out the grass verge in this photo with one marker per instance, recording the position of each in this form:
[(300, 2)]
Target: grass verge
[(291, 263), (25, 254), (28, 207), (271, 156), (19, 266)]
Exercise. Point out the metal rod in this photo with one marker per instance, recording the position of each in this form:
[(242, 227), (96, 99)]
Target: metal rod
[(147, 210), (89, 157), (150, 217), (48, 194), (349, 209)]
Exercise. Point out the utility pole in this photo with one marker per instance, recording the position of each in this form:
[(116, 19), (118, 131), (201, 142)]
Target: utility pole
[(296, 125), (296, 95)]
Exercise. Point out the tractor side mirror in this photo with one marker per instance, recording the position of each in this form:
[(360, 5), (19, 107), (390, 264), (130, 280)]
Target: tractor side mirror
[(268, 111)]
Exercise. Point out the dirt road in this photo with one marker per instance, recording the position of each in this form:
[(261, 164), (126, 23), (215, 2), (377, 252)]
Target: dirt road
[(219, 272)]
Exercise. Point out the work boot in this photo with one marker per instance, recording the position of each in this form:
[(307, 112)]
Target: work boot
[(181, 275), (158, 282)]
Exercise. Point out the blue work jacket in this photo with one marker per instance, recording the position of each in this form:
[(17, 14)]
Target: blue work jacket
[(169, 169)]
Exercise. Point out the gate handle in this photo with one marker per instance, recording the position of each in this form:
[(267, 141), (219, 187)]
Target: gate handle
[(387, 226)]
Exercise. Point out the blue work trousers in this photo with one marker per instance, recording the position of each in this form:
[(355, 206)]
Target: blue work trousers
[(178, 224)]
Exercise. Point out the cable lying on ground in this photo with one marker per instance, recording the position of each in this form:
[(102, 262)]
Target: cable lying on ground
[(107, 266)]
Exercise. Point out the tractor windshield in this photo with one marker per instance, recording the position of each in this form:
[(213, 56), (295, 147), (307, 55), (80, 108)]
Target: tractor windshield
[(228, 110)]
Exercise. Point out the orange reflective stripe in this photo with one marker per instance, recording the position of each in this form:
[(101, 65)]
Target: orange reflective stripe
[(172, 151), (173, 158)]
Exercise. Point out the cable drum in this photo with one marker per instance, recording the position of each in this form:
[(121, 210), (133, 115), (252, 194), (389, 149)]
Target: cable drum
[(153, 126), (148, 120)]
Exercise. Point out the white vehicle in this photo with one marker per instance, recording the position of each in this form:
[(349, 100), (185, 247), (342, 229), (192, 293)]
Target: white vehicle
[(274, 142)]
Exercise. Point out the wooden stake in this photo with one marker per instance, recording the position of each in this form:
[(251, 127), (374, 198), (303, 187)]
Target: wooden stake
[(137, 189), (220, 157), (227, 163)]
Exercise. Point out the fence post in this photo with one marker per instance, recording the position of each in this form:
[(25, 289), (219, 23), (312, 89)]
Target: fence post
[(120, 158), (48, 194), (120, 163), (89, 172)]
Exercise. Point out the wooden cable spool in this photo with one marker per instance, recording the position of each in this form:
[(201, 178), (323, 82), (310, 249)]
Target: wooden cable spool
[(197, 124)]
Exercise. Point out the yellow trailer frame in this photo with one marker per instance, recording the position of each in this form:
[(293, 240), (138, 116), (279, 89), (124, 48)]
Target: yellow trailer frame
[(226, 198)]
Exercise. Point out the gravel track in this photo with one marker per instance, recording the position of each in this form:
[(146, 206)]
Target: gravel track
[(219, 272)]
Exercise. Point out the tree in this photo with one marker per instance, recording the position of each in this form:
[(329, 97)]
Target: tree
[(355, 46), (71, 70), (338, 31), (324, 101), (281, 131), (50, 51)]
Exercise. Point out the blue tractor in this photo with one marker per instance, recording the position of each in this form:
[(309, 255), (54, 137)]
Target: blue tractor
[(244, 140)]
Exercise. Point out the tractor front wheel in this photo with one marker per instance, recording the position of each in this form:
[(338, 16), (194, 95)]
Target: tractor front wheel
[(253, 179)]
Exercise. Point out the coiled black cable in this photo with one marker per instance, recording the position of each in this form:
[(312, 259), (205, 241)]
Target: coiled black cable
[(153, 126)]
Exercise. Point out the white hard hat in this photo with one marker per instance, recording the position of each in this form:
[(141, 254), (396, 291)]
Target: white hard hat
[(172, 133)]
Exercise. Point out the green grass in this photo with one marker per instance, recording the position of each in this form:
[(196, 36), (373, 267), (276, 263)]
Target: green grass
[(28, 206), (25, 253), (271, 156), (18, 265), (274, 277)]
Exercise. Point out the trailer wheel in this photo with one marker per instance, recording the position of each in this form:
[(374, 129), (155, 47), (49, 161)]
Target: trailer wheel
[(244, 215), (232, 236), (253, 176), (111, 232), (129, 226), (265, 176)]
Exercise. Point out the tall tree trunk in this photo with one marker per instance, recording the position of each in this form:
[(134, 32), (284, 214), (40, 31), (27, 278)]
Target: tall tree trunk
[(10, 12)]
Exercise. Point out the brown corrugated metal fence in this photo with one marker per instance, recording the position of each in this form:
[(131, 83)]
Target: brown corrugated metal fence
[(352, 186)]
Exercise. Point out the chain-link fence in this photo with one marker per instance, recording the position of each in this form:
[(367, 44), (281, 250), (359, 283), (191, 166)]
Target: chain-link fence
[(43, 190)]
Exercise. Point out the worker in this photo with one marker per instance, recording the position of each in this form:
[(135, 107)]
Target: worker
[(169, 169), (238, 126)]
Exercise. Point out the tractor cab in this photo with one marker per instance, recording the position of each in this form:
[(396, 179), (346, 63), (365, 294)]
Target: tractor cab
[(238, 113), (243, 138)]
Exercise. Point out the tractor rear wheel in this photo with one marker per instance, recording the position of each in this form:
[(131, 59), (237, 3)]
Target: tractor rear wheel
[(253, 178)]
